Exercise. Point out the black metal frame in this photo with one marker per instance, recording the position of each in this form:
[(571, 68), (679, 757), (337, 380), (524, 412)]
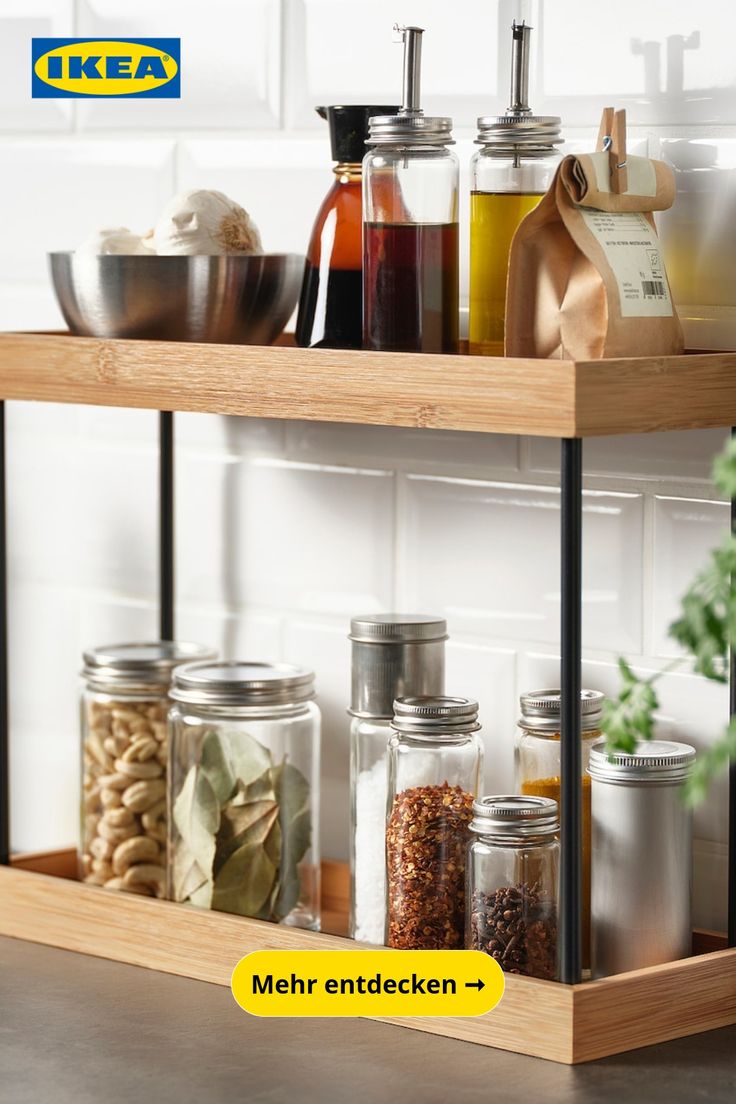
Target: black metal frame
[(571, 532), (571, 840)]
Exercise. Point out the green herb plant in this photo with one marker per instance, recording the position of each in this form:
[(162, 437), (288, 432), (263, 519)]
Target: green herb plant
[(243, 825), (706, 630)]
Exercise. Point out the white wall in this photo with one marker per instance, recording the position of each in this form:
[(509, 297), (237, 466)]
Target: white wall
[(286, 529)]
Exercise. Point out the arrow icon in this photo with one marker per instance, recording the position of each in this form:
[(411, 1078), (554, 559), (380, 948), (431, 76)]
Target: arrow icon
[(475, 985)]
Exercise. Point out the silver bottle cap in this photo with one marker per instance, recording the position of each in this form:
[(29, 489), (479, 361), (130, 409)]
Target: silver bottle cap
[(242, 684), (395, 655), (435, 716), (410, 126), (519, 128), (541, 710), (140, 664), (652, 761), (513, 815)]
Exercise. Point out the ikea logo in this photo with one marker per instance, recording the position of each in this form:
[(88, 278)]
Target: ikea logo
[(77, 67)]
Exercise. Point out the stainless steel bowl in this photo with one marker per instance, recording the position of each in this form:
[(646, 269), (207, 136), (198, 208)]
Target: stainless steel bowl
[(246, 300)]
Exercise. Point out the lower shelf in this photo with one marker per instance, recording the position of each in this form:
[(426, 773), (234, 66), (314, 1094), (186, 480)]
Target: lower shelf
[(40, 901)]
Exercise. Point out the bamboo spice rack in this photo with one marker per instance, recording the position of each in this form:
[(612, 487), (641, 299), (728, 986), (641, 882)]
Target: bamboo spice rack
[(569, 1021)]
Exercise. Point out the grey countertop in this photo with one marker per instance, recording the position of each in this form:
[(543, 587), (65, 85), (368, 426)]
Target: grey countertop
[(78, 1029)]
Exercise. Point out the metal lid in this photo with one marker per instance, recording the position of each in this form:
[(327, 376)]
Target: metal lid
[(651, 761), (143, 663), (242, 684), (416, 129), (397, 628), (519, 129), (435, 716), (513, 815), (410, 126), (541, 710)]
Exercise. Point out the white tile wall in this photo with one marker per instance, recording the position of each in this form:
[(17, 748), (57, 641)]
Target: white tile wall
[(285, 530), (461, 535)]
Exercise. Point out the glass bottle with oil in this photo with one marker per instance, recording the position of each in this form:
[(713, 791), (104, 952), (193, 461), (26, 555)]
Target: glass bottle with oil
[(510, 173)]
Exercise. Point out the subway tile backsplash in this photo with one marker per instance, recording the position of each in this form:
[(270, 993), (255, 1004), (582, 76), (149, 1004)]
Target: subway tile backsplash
[(286, 529)]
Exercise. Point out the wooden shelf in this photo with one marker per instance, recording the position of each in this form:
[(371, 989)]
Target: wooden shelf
[(40, 901), (546, 398)]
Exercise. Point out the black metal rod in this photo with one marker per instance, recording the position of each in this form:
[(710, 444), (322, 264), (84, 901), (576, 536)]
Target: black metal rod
[(4, 755), (166, 524), (571, 842), (732, 780)]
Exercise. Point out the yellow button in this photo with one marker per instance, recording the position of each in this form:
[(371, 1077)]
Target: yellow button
[(367, 983)]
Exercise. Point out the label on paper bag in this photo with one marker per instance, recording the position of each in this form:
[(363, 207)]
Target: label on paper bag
[(367, 983), (633, 251)]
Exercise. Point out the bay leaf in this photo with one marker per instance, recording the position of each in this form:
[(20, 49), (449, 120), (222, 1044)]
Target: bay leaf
[(202, 896), (297, 836), (261, 789), (250, 759), (197, 818), (241, 825), (215, 763), (245, 881), (293, 793), (187, 874)]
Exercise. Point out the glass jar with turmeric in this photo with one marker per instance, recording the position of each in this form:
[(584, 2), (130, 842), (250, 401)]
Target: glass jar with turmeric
[(538, 764)]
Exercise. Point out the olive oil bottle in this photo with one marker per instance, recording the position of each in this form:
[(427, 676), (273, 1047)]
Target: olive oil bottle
[(510, 173)]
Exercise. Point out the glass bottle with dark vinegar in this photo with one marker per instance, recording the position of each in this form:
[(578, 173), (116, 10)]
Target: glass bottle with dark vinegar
[(330, 305), (410, 228)]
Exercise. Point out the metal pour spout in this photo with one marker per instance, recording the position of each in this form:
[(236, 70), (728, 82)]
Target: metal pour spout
[(520, 70), (412, 39)]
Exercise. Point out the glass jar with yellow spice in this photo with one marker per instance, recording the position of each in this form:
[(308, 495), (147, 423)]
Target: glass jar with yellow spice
[(538, 764)]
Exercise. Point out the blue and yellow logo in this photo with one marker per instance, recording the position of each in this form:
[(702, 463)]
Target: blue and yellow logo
[(78, 67)]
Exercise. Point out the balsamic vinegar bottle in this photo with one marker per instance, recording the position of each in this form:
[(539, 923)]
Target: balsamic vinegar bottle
[(330, 305), (410, 233)]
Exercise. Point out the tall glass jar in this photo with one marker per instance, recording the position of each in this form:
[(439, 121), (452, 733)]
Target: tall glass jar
[(410, 225), (538, 765), (393, 655), (435, 769), (244, 791), (512, 884), (509, 175), (123, 709)]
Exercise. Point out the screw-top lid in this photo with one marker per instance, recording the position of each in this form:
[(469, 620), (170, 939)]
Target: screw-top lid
[(435, 716), (651, 761), (513, 815), (397, 628), (144, 664), (541, 710), (348, 125), (410, 126), (242, 684), (519, 129)]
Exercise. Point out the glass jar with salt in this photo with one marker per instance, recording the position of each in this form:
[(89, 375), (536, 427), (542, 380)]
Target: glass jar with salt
[(393, 655)]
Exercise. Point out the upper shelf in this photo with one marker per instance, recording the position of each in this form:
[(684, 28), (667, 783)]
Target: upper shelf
[(543, 398)]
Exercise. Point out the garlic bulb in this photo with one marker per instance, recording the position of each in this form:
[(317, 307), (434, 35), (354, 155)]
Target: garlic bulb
[(204, 222), (119, 240)]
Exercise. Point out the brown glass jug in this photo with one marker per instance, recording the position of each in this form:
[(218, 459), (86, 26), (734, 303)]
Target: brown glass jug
[(330, 305)]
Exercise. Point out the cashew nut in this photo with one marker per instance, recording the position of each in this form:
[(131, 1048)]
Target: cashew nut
[(145, 874), (138, 849), (140, 796)]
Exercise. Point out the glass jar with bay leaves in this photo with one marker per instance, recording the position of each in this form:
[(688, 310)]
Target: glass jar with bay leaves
[(244, 791)]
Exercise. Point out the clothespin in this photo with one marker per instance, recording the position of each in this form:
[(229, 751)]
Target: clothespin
[(612, 140)]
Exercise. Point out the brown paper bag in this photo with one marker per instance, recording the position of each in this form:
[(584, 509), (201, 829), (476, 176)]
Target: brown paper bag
[(586, 275)]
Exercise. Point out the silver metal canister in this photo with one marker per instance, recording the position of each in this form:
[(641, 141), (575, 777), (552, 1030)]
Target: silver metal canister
[(395, 655), (641, 856)]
